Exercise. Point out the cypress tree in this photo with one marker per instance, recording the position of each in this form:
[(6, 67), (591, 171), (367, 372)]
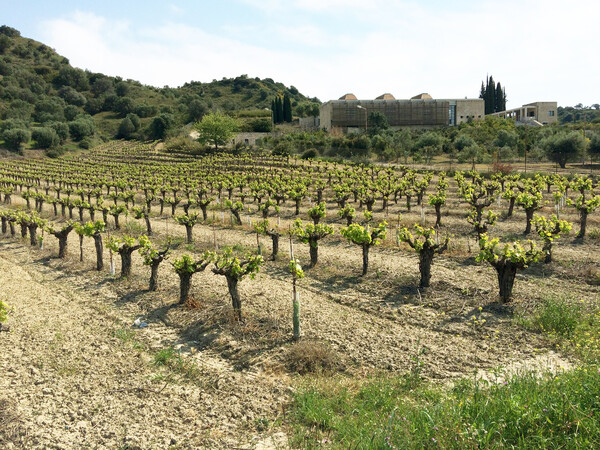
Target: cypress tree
[(491, 92), (500, 98), (279, 105), (274, 110), (493, 95), (287, 109)]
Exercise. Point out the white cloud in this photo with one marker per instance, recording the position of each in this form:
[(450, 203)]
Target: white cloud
[(537, 50)]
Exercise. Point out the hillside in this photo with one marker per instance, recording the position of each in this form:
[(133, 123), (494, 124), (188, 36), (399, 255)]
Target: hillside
[(47, 103)]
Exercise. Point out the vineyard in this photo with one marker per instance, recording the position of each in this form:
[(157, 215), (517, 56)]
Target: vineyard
[(244, 273)]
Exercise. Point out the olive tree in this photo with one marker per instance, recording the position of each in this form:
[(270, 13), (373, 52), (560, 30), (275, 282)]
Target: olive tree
[(564, 147)]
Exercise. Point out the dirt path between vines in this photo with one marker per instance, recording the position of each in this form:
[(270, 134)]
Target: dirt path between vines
[(71, 377)]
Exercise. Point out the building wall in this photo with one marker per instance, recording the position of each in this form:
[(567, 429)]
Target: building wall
[(309, 123), (547, 112), (469, 109), (248, 138), (415, 113)]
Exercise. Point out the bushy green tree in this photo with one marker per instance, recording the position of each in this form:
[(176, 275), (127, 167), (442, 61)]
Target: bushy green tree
[(16, 137), (216, 129), (45, 137), (564, 147)]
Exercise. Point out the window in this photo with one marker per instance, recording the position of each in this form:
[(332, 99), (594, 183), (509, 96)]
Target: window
[(551, 113)]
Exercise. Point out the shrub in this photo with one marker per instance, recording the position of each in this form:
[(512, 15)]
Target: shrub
[(309, 356), (310, 153), (45, 137), (16, 137)]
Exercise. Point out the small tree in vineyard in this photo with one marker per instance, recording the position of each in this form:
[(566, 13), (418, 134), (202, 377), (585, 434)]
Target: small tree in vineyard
[(366, 238), (266, 206), (235, 209), (424, 243), (34, 222), (234, 270), (506, 260), (188, 221), (438, 200), (311, 234), (549, 230), (317, 212), (125, 247), (94, 230), (143, 213), (62, 236), (297, 274), (348, 213), (116, 211), (185, 267), (153, 258), (480, 221), (530, 201), (584, 205), (203, 204), (263, 227)]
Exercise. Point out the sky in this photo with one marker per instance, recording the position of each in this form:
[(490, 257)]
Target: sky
[(539, 50)]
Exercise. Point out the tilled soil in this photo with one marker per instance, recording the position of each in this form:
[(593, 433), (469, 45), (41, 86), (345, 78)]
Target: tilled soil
[(78, 374), (71, 380)]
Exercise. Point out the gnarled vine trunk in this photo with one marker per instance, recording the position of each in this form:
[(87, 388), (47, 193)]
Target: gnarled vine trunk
[(583, 214), (365, 255), (99, 249), (33, 234), (425, 261), (528, 218), (185, 284), (314, 252), (506, 279), (236, 302)]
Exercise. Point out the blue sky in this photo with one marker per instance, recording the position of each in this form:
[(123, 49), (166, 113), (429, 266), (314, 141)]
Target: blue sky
[(539, 50)]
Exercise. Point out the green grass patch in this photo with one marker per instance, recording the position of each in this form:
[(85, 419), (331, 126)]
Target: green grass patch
[(557, 315), (388, 412), (574, 325)]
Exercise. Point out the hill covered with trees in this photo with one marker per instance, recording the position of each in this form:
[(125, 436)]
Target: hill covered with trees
[(47, 103)]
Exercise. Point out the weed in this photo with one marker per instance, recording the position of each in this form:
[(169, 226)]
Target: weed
[(558, 316), (525, 411), (124, 334), (164, 356)]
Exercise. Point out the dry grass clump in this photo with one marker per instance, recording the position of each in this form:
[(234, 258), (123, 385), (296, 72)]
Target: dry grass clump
[(11, 428), (310, 356)]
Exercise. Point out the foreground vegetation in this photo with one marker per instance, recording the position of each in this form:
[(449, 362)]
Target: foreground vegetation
[(524, 409)]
